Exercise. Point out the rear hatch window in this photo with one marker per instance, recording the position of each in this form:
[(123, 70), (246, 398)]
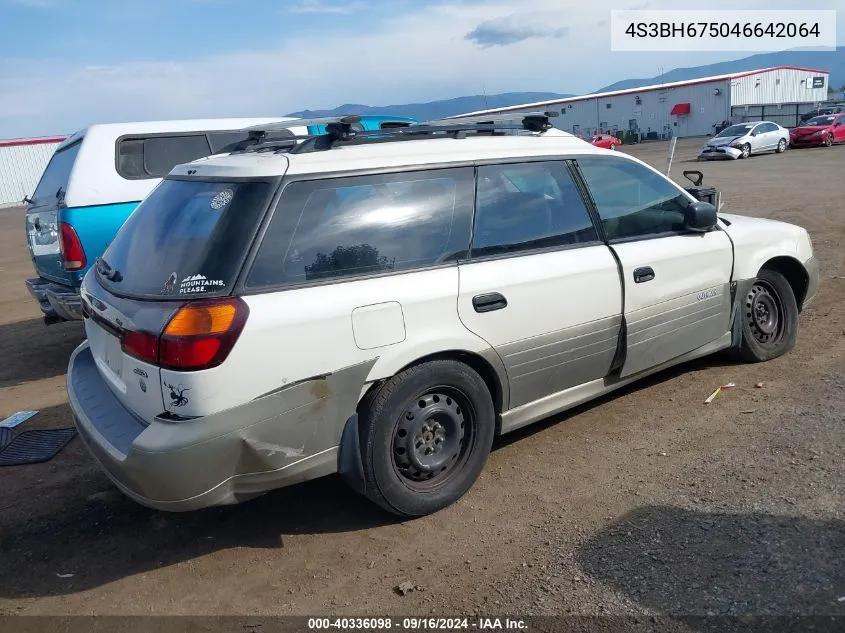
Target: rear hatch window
[(187, 239), (52, 187)]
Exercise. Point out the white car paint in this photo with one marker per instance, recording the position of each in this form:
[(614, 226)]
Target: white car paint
[(757, 240)]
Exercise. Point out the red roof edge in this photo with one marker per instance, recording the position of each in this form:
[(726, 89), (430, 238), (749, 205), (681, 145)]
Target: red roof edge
[(32, 141), (773, 68)]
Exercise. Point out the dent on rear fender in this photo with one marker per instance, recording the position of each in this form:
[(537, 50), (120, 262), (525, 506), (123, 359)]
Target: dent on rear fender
[(269, 433)]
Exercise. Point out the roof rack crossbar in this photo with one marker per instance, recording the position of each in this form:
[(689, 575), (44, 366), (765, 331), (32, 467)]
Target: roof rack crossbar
[(343, 129)]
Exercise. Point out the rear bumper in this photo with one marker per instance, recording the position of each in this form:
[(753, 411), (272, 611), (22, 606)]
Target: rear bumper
[(57, 302), (271, 442)]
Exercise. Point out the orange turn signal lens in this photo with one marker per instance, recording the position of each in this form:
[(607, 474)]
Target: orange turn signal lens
[(199, 320)]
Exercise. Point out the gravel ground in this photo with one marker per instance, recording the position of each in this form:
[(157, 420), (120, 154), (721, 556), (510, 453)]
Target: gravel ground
[(646, 504)]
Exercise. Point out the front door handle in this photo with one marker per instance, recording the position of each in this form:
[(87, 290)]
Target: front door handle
[(489, 302), (641, 275)]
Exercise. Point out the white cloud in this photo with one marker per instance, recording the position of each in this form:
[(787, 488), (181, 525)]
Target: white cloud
[(420, 56)]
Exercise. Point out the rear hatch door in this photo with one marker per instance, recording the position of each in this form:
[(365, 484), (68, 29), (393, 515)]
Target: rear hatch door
[(43, 215), (187, 241)]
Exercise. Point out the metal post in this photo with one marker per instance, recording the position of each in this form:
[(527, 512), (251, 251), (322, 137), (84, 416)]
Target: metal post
[(671, 155)]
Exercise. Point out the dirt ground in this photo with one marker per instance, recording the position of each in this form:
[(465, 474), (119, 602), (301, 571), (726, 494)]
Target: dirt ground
[(646, 502)]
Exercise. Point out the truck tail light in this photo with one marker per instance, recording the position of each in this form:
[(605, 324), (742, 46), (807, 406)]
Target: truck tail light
[(70, 246), (199, 336)]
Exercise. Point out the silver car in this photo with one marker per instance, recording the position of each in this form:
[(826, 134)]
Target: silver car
[(744, 139)]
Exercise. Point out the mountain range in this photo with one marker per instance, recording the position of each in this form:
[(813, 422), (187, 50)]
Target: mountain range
[(834, 61)]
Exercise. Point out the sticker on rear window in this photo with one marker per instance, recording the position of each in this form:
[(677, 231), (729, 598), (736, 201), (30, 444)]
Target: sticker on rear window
[(170, 284), (222, 199), (199, 283)]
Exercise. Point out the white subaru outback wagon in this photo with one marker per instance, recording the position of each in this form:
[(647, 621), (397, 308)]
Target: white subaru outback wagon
[(384, 304)]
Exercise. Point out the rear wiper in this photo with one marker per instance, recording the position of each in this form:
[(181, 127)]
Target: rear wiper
[(107, 271)]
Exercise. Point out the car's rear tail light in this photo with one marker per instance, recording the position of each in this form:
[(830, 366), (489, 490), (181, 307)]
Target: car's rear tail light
[(199, 336), (142, 345), (70, 246)]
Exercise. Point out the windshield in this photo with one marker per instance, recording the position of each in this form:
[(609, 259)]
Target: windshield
[(736, 130), (188, 238), (821, 120), (53, 184)]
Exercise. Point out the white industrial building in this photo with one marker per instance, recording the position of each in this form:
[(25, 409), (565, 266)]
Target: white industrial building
[(689, 108), (22, 161)]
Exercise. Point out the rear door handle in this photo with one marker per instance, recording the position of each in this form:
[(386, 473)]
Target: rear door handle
[(489, 302), (641, 275)]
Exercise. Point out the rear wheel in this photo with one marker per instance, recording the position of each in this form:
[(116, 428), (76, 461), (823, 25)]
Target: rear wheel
[(769, 318), (425, 437), (828, 140), (746, 151), (613, 147), (781, 146)]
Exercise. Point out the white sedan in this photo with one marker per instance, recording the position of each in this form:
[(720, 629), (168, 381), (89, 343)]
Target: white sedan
[(744, 139)]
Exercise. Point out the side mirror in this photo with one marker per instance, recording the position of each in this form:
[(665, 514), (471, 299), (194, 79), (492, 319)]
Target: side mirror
[(700, 217)]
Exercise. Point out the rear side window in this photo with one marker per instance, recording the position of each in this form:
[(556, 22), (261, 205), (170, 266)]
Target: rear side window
[(53, 184), (155, 156), (632, 200), (344, 227), (188, 238), (528, 206)]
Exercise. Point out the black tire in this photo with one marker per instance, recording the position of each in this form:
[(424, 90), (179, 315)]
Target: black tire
[(781, 146), (746, 151), (828, 140), (425, 437), (769, 315)]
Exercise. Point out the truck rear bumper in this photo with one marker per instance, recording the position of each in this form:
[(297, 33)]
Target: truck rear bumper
[(58, 303)]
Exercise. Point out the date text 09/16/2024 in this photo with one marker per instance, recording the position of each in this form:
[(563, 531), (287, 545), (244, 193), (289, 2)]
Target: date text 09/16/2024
[(416, 624)]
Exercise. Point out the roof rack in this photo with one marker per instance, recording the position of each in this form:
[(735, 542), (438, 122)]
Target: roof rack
[(343, 130), (531, 121)]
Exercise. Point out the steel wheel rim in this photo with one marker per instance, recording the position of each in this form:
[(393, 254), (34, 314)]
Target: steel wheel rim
[(781, 145), (746, 151), (828, 140), (433, 438), (764, 313)]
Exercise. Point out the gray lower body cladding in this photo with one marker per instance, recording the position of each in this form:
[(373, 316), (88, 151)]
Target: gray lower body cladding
[(670, 329), (550, 362), (279, 439)]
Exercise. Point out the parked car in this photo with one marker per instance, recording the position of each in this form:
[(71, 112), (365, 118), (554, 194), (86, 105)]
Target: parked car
[(831, 109), (824, 130), (606, 141), (384, 309), (744, 139), (97, 177)]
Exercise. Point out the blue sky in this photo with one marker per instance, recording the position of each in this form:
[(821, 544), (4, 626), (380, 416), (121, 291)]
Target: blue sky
[(65, 64)]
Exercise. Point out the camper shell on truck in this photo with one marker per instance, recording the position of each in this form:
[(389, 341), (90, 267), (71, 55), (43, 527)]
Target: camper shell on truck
[(98, 176)]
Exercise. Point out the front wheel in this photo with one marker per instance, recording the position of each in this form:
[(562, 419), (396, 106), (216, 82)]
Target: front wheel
[(746, 151), (769, 318), (425, 437), (828, 140), (781, 146)]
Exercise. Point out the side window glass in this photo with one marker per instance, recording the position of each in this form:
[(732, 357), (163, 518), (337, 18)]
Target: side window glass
[(219, 140), (527, 206), (163, 153), (632, 200), (154, 157), (343, 227)]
